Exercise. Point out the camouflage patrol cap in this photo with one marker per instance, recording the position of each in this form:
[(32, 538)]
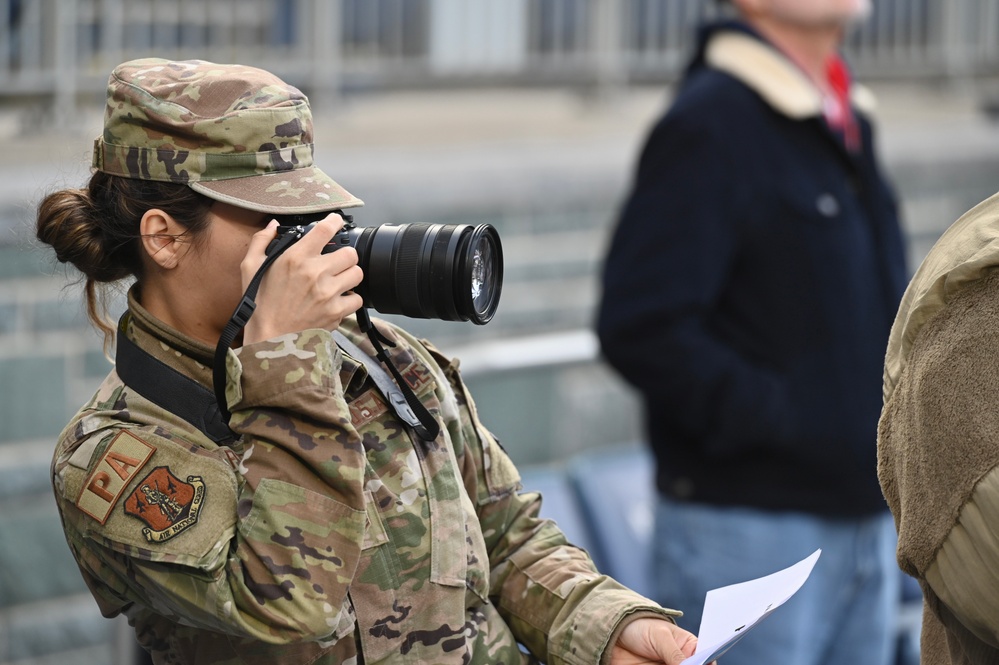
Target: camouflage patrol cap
[(233, 133)]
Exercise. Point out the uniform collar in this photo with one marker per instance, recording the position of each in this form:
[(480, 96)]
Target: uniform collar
[(770, 74), (147, 331)]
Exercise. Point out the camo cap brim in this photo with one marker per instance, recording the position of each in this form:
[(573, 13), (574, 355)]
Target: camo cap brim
[(234, 133)]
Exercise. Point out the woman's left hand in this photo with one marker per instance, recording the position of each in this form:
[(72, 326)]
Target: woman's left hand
[(648, 641)]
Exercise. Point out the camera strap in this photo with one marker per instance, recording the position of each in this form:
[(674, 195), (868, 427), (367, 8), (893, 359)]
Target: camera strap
[(427, 427), (239, 319), (397, 393), (390, 389)]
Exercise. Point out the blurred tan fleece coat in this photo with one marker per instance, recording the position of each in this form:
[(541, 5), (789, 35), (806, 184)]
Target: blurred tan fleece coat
[(938, 439)]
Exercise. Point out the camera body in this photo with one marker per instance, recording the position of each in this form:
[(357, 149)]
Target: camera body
[(299, 225), (452, 272)]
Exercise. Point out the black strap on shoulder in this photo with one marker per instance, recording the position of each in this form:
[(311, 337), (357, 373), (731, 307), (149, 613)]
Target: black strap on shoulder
[(166, 387)]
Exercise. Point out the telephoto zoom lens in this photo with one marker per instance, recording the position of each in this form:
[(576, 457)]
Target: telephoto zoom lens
[(452, 272), (429, 271)]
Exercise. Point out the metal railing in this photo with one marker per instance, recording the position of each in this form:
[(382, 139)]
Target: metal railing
[(58, 49)]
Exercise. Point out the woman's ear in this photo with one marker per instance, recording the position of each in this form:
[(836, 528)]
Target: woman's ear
[(162, 238)]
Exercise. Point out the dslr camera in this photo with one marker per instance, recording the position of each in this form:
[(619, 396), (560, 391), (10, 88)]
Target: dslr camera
[(451, 272)]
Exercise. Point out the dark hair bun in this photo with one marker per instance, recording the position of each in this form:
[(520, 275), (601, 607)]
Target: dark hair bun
[(67, 220)]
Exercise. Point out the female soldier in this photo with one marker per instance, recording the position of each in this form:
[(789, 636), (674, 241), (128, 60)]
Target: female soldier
[(315, 527)]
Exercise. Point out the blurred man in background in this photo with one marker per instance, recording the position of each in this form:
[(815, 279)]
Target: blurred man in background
[(748, 295)]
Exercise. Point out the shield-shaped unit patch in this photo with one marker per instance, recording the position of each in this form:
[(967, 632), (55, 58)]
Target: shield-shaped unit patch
[(166, 504)]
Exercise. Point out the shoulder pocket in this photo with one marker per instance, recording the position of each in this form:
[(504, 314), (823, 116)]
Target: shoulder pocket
[(280, 505)]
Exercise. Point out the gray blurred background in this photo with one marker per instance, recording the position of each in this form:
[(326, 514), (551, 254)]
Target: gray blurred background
[(527, 114)]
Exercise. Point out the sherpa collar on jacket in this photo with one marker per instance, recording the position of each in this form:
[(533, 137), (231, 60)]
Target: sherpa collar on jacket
[(735, 50)]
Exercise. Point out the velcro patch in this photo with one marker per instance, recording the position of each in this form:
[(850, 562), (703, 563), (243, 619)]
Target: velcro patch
[(418, 377), (166, 504), (366, 408), (123, 459)]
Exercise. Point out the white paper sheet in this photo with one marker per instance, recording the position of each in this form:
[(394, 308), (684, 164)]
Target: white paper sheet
[(730, 612)]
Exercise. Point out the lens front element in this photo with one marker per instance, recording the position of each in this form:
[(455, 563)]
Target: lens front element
[(484, 268)]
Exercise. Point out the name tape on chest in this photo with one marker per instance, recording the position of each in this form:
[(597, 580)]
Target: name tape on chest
[(121, 462)]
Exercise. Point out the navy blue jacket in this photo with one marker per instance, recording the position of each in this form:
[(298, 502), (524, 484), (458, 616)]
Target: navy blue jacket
[(749, 291)]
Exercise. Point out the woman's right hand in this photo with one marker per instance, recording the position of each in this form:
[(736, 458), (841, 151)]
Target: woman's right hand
[(303, 288)]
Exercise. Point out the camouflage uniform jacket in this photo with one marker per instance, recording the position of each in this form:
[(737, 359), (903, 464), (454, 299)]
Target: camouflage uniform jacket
[(325, 533)]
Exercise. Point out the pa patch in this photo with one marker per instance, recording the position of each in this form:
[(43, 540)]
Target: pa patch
[(121, 462), (167, 504)]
